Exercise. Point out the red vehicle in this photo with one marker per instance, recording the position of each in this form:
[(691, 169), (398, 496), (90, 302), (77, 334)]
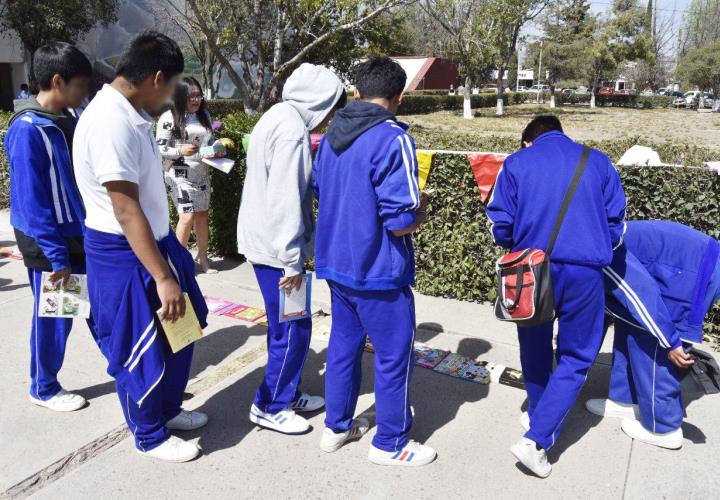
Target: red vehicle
[(606, 91)]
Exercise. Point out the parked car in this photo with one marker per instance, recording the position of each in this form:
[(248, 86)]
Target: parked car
[(663, 90), (521, 88), (647, 93), (539, 88), (567, 91), (627, 92), (692, 100), (606, 91), (582, 90)]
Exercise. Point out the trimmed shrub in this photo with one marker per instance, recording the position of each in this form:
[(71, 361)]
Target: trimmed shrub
[(227, 188), (455, 252), (4, 174), (618, 100)]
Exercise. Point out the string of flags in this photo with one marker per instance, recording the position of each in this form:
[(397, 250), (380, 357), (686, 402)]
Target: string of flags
[(485, 166), (440, 361)]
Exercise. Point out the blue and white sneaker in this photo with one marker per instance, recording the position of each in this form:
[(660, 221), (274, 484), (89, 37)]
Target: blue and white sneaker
[(333, 441), (285, 421), (412, 455), (307, 403)]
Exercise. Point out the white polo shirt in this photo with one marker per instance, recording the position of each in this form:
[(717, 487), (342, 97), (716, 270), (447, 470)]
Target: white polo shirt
[(113, 142)]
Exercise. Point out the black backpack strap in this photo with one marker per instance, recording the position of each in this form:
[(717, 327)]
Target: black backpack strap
[(567, 199)]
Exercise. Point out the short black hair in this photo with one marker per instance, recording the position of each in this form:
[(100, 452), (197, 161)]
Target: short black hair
[(24, 86), (380, 77), (538, 126), (148, 53), (59, 58)]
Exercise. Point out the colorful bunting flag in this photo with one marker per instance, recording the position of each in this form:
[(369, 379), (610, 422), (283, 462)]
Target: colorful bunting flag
[(485, 167), (424, 161)]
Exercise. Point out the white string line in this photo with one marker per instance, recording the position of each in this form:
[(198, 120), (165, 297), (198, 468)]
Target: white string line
[(465, 153)]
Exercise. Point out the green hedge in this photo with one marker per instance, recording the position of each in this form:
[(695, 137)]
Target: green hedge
[(455, 253), (618, 100)]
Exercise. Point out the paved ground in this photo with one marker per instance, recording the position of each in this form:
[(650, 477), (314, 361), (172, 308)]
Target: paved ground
[(87, 453)]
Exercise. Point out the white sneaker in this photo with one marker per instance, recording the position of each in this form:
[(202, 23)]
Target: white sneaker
[(307, 403), (532, 458), (187, 421), (672, 440), (285, 421), (62, 401), (173, 449), (412, 455), (612, 409), (332, 441), (525, 421)]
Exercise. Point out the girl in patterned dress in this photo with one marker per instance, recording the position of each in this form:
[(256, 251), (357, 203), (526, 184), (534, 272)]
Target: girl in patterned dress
[(181, 132)]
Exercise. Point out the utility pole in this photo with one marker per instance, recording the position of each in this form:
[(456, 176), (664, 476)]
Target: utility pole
[(537, 98)]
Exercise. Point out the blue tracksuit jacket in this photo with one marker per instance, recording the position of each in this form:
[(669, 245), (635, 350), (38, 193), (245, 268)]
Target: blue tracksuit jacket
[(44, 201), (529, 191), (366, 180), (664, 279)]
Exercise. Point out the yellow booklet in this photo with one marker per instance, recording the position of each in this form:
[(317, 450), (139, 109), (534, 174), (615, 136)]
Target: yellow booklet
[(185, 330)]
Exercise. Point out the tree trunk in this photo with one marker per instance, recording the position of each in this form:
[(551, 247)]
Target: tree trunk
[(32, 82), (500, 107), (467, 104)]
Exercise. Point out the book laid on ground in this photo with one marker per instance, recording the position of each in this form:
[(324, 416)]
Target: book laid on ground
[(459, 366), (185, 330), (427, 356), (64, 300), (245, 313), (218, 306), (296, 304)]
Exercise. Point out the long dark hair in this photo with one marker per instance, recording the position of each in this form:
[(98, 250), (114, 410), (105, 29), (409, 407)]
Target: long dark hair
[(179, 108)]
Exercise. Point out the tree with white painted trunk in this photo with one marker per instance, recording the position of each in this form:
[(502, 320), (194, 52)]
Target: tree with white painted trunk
[(463, 41)]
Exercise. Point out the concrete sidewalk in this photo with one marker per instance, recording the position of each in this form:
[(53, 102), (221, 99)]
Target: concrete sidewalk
[(88, 453)]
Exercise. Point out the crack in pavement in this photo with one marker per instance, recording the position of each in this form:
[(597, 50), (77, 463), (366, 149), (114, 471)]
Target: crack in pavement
[(71, 461)]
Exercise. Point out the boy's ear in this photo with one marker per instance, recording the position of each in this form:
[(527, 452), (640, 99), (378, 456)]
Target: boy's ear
[(57, 82), (398, 99), (358, 96), (158, 79)]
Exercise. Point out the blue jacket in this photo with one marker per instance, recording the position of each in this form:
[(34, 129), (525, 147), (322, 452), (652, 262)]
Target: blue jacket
[(664, 279), (45, 204), (529, 191), (365, 178)]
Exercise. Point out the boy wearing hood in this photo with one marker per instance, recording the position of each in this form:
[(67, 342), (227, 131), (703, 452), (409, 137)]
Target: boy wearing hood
[(366, 181), (275, 229), (45, 206)]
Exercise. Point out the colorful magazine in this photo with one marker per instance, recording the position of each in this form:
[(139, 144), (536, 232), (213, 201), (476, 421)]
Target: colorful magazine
[(68, 300), (427, 356), (459, 366), (245, 313), (218, 306)]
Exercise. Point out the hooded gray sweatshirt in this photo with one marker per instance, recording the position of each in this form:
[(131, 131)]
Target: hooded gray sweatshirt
[(275, 222)]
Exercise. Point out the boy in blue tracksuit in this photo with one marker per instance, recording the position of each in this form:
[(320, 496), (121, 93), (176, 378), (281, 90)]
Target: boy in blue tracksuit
[(45, 206), (366, 181), (660, 285), (526, 200)]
